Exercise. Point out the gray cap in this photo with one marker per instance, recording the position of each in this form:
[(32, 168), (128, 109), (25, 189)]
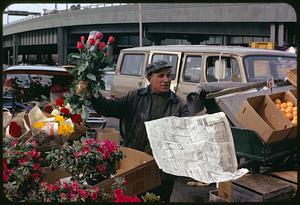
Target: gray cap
[(155, 66)]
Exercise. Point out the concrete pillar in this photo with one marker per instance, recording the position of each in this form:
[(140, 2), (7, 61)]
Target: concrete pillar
[(16, 43), (280, 36), (62, 46), (272, 32)]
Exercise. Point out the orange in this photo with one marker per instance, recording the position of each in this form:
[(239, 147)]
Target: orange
[(277, 101), (295, 108), (289, 109), (283, 105), (278, 106), (289, 104), (295, 122), (289, 115), (294, 112)]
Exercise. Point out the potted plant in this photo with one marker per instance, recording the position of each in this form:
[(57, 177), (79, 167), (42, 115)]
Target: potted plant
[(87, 159), (23, 169)]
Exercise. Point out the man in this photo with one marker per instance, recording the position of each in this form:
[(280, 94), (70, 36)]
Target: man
[(141, 105)]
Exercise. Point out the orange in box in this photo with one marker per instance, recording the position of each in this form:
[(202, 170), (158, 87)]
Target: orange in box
[(287, 96), (261, 115)]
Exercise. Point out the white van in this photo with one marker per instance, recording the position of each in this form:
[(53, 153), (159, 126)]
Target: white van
[(193, 64)]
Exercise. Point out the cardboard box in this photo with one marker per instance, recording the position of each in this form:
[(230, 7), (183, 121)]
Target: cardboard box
[(138, 168), (108, 133), (261, 115), (284, 97), (292, 77), (294, 92)]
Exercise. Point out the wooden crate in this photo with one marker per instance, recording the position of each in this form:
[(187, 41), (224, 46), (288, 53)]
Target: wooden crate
[(261, 188), (289, 176), (214, 197)]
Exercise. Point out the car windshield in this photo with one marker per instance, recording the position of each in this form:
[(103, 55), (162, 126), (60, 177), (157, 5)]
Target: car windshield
[(260, 68), (34, 87)]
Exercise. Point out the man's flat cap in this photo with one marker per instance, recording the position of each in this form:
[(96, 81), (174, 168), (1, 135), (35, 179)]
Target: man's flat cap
[(156, 66)]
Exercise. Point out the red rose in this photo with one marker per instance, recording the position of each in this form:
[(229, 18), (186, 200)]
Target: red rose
[(59, 102), (48, 108), (15, 129), (65, 110), (111, 40), (101, 46), (92, 41), (79, 45), (76, 118), (99, 35), (82, 39)]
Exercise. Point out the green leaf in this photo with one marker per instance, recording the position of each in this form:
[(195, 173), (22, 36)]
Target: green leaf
[(91, 76)]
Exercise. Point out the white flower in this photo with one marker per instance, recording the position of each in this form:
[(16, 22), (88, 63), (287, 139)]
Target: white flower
[(55, 112), (69, 107)]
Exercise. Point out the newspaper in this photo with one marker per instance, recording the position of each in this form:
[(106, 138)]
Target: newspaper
[(200, 147)]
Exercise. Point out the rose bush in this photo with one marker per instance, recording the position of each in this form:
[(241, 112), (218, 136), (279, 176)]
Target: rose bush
[(87, 159)]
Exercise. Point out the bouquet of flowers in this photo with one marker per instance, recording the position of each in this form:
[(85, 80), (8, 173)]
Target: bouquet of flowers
[(17, 128), (87, 159), (91, 61), (46, 129)]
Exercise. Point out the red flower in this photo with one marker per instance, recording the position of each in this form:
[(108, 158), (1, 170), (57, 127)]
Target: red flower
[(23, 161), (111, 40), (15, 129), (82, 39), (101, 168), (94, 195), (101, 46), (48, 108), (92, 41), (83, 194), (79, 45), (59, 102), (4, 173), (34, 154), (99, 35), (65, 110), (120, 197), (76, 118)]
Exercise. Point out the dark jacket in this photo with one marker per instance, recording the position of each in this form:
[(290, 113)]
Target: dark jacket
[(133, 109)]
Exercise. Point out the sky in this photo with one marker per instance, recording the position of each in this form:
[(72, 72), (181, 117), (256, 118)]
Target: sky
[(34, 7)]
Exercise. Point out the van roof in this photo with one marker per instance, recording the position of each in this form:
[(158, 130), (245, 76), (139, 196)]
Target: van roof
[(238, 50)]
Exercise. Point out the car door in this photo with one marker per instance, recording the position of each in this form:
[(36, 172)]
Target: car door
[(174, 59), (129, 73), (190, 75)]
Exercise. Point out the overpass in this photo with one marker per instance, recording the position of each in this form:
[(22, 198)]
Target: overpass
[(51, 37)]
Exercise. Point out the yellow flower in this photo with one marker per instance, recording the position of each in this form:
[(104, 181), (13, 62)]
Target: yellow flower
[(59, 118), (65, 130), (38, 125)]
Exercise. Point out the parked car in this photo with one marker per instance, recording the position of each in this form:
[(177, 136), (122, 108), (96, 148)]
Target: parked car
[(25, 84), (218, 66)]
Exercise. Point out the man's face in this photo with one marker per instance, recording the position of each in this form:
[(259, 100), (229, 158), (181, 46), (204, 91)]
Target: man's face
[(161, 81)]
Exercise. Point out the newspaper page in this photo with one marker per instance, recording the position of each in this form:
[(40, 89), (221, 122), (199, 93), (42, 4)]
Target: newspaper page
[(199, 147)]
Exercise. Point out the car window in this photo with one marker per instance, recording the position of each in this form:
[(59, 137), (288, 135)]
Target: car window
[(232, 72), (132, 64), (28, 87), (192, 69), (260, 68), (170, 58)]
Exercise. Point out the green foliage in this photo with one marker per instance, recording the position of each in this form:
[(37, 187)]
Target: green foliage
[(90, 64)]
